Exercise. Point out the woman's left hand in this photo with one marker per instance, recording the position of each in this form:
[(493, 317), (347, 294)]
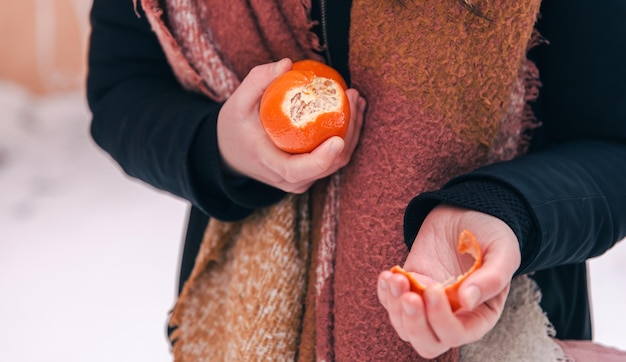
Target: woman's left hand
[(428, 323)]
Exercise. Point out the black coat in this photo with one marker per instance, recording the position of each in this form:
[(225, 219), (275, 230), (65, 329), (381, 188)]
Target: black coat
[(565, 200)]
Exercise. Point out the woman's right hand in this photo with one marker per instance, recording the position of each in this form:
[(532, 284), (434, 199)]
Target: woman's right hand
[(247, 150)]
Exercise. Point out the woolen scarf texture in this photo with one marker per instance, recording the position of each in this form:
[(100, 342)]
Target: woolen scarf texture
[(447, 92)]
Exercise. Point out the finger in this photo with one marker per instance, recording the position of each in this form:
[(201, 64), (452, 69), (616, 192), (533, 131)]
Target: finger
[(335, 152), (489, 280), (392, 286), (296, 173), (481, 287), (448, 330), (482, 318), (357, 108), (328, 152), (383, 287), (307, 167), (397, 286), (420, 333), (416, 327), (330, 155), (260, 77)]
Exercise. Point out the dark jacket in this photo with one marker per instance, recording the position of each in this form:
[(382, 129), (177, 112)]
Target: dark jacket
[(565, 200)]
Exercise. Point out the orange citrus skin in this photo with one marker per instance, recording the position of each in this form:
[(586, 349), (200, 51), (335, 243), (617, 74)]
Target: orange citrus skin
[(321, 70), (415, 285), (285, 132), (467, 244)]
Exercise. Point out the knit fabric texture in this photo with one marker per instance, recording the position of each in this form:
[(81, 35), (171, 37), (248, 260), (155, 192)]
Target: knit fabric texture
[(446, 94), (523, 332)]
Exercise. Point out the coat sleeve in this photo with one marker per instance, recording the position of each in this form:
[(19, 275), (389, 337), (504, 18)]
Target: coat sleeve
[(153, 128), (577, 199), (572, 182)]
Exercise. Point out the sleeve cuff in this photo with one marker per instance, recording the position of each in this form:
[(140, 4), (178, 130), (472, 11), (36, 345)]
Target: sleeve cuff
[(484, 195), (220, 194)]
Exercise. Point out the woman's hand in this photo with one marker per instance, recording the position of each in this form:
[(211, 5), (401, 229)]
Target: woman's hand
[(247, 150), (428, 323)]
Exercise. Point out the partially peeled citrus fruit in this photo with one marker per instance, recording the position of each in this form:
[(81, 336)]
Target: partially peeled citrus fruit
[(304, 107), (467, 244)]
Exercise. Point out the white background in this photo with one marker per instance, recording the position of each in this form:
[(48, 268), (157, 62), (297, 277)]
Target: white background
[(89, 257)]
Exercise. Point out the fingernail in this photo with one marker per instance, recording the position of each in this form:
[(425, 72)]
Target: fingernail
[(433, 297), (335, 147), (383, 285), (362, 104), (409, 309), (472, 296), (277, 66)]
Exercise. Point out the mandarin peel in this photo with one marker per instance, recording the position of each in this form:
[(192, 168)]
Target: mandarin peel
[(467, 244), (321, 70)]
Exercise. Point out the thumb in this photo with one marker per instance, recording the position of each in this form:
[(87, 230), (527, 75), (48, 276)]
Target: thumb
[(483, 285), (500, 259), (319, 163), (260, 77)]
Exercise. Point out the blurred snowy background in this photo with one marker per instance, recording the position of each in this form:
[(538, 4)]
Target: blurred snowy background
[(88, 256)]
